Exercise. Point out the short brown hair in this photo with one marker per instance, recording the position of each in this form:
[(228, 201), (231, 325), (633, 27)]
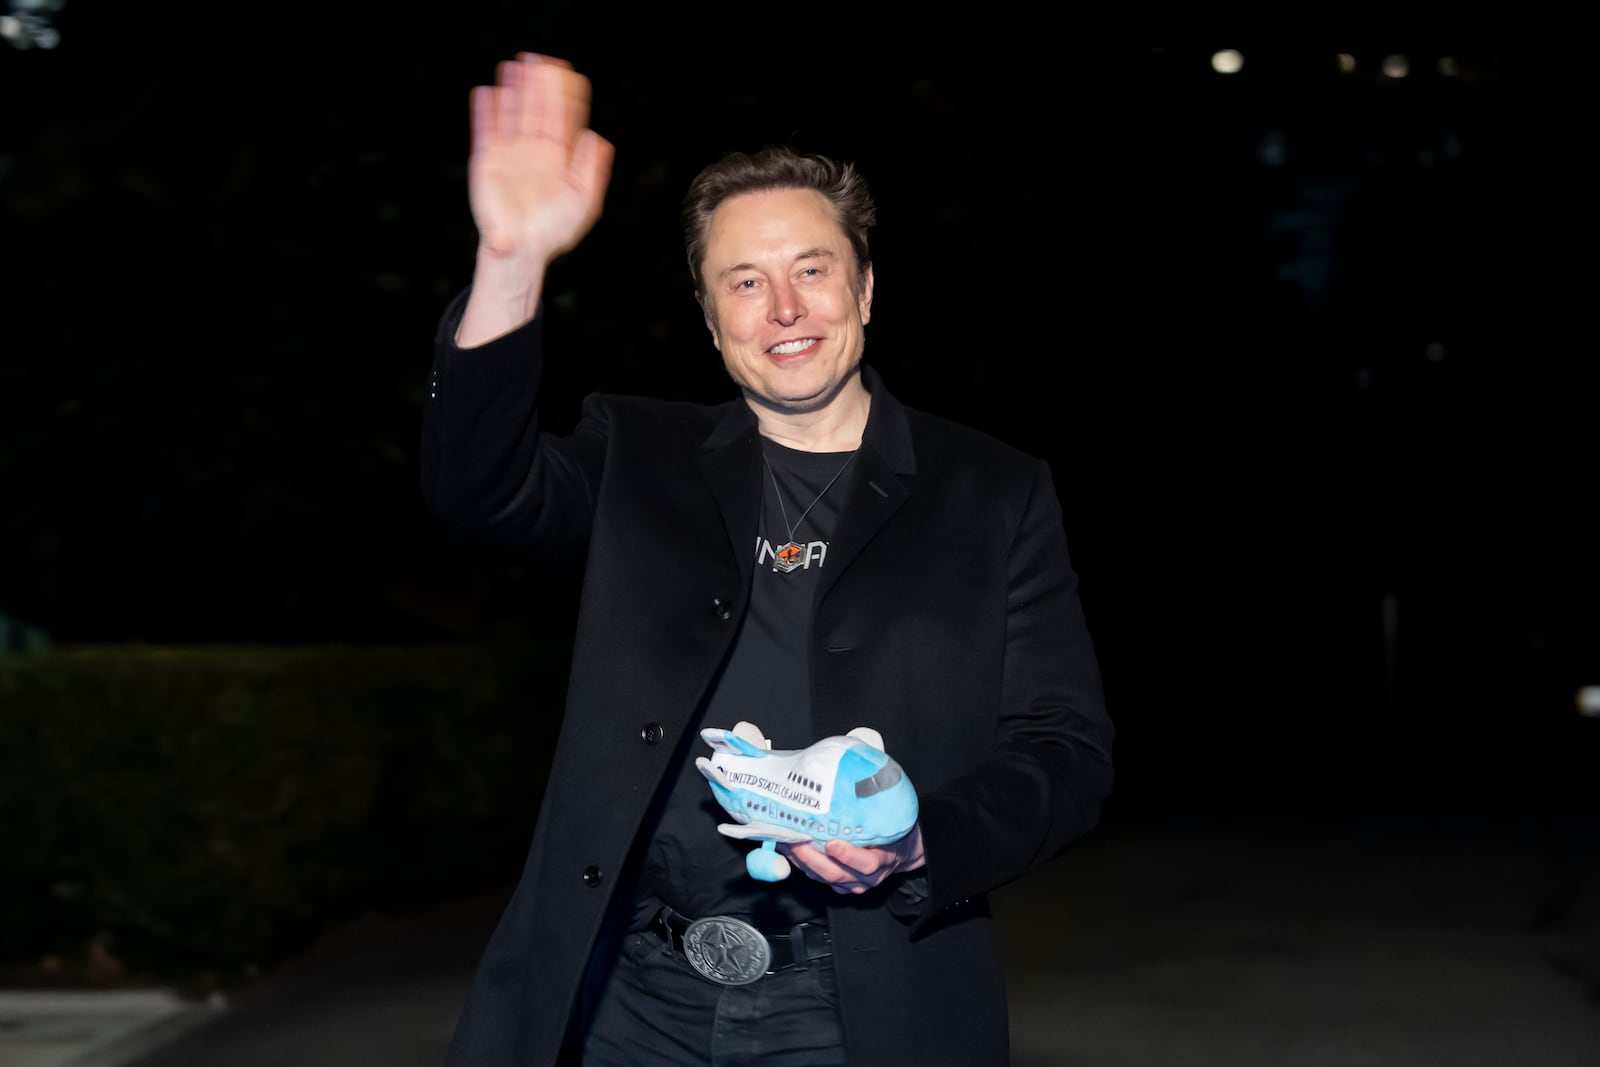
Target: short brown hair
[(777, 168)]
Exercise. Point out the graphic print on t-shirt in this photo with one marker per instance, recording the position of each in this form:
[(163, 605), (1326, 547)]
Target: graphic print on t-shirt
[(804, 489), (796, 555)]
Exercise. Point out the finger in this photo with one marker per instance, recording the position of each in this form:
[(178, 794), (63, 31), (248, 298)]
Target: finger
[(536, 92), (864, 862), (802, 852), (822, 868), (561, 111), (482, 106), (591, 162), (508, 101), (540, 57), (575, 98), (812, 860)]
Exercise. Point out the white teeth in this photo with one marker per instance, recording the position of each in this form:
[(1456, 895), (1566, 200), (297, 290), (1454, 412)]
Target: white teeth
[(788, 348)]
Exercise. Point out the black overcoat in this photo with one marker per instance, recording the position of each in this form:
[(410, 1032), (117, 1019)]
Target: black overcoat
[(948, 619)]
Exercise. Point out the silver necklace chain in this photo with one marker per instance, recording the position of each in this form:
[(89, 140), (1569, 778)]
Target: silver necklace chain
[(784, 512)]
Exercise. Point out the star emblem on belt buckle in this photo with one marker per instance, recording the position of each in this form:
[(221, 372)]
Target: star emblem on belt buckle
[(726, 950)]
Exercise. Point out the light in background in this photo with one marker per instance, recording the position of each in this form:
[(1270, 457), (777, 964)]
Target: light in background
[(1227, 61), (1588, 701), (28, 24)]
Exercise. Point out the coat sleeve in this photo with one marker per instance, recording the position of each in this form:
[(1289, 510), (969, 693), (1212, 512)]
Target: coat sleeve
[(489, 471), (1043, 784)]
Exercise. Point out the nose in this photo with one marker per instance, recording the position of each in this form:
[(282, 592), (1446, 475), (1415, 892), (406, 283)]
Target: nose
[(787, 308)]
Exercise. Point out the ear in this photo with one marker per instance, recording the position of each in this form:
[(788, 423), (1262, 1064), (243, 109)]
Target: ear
[(864, 299)]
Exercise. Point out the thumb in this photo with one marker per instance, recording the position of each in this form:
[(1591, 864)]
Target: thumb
[(591, 168)]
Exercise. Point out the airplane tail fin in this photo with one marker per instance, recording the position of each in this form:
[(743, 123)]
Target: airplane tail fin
[(745, 739)]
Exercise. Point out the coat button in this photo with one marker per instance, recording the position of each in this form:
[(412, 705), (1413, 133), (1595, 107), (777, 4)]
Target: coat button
[(652, 733), (591, 876), (721, 608)]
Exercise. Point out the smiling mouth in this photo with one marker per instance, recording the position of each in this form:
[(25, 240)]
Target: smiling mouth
[(789, 348)]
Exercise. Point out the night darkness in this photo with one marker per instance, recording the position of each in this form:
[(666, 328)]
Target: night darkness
[(1295, 341)]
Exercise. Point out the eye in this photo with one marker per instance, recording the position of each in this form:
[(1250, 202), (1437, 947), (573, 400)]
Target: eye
[(748, 283)]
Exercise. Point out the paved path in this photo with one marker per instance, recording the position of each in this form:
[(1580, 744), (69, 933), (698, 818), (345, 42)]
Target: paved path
[(1298, 942), (1386, 943)]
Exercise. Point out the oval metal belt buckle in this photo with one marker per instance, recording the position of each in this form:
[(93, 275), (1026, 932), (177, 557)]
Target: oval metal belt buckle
[(726, 950)]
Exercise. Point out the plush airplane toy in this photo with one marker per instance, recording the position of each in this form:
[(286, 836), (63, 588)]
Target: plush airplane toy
[(840, 787)]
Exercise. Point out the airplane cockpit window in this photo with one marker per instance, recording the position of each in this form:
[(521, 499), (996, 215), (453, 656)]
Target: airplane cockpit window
[(879, 782)]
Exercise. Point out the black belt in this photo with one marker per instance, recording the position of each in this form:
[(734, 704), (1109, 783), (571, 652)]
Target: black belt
[(730, 951)]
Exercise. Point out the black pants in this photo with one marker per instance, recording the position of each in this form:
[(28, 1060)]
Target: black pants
[(657, 1010)]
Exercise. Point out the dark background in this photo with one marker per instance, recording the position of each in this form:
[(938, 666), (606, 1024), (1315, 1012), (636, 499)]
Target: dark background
[(1301, 344)]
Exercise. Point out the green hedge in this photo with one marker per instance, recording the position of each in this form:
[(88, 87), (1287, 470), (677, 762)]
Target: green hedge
[(216, 808)]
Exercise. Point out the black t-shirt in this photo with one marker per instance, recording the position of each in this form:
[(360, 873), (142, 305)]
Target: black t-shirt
[(766, 681)]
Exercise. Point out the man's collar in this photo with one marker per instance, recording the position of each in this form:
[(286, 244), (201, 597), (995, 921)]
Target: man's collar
[(888, 430)]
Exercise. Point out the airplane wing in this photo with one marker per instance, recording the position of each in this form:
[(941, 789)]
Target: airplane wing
[(765, 831)]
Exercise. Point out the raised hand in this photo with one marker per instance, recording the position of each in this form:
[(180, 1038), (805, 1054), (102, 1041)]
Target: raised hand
[(537, 174), (537, 178)]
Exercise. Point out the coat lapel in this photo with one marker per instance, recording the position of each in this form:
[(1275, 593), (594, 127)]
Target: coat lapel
[(875, 494), (730, 462), (884, 470)]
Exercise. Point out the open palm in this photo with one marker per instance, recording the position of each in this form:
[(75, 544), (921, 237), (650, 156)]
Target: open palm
[(537, 174)]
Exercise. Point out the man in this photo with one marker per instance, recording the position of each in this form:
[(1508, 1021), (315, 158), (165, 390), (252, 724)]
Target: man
[(908, 574)]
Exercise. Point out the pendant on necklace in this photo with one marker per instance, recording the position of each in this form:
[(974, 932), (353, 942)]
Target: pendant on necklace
[(788, 557)]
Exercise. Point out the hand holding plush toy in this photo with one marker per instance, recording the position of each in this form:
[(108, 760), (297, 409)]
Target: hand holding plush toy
[(840, 788)]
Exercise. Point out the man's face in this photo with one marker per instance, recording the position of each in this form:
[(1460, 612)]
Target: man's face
[(782, 300)]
